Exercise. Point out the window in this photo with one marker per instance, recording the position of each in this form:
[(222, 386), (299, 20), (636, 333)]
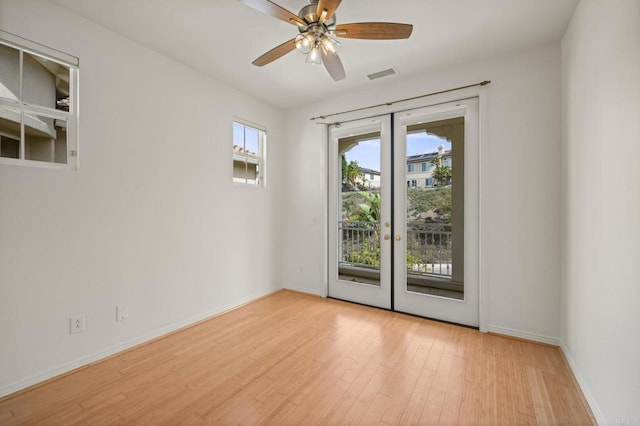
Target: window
[(411, 167), (425, 167), (428, 182), (9, 147), (38, 107), (414, 182), (249, 150)]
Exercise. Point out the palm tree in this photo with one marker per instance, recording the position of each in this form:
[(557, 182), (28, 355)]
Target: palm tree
[(344, 167), (352, 175), (441, 173)]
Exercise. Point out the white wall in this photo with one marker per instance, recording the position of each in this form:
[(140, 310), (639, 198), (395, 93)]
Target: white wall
[(151, 219), (601, 209), (520, 185)]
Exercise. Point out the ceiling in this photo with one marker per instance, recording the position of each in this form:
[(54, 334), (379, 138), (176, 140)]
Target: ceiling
[(222, 37)]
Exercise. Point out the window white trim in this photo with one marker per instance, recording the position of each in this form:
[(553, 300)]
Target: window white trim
[(39, 49), (249, 124)]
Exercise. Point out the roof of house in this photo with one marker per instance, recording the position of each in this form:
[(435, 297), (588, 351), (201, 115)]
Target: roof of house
[(410, 159), (241, 150), (426, 157), (369, 171)]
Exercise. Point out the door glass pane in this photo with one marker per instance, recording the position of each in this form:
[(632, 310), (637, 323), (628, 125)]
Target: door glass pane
[(431, 216), (359, 221)]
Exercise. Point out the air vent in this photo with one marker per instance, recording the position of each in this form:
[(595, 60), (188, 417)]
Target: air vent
[(381, 74)]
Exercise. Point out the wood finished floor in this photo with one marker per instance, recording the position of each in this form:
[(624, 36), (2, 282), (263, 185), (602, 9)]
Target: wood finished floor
[(296, 359)]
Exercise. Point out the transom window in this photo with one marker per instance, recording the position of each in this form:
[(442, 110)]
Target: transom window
[(38, 105), (249, 147)]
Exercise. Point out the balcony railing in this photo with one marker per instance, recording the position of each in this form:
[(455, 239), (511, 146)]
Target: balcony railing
[(360, 243), (428, 247)]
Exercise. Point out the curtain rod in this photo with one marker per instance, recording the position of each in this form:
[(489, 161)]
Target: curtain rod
[(483, 83)]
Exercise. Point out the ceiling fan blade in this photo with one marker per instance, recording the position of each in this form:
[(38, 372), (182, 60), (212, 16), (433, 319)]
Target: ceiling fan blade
[(275, 53), (374, 30), (279, 12), (330, 6), (332, 63)]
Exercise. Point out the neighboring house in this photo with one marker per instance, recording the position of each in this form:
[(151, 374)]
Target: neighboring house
[(420, 169), (245, 165), (370, 178)]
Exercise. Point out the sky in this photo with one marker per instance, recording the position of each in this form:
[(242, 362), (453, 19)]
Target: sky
[(245, 137), (367, 153)]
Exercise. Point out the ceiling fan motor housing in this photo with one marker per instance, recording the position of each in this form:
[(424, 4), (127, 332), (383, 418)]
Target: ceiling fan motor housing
[(309, 14)]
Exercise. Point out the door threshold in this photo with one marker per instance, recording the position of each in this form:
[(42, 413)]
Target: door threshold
[(407, 313)]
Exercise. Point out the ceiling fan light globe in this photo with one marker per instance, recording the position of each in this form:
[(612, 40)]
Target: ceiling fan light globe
[(302, 43), (314, 56), (311, 39), (330, 44)]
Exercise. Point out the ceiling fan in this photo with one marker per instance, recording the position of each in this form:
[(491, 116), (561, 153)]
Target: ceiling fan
[(317, 28)]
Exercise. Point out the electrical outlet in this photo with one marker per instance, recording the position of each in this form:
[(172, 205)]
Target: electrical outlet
[(122, 312), (76, 324)]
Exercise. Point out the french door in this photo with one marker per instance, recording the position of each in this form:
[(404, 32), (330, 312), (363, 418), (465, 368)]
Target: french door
[(360, 212), (403, 211)]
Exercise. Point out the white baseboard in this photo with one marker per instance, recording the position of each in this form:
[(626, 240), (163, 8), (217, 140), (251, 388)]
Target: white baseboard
[(307, 290), (597, 413), (81, 362), (524, 335)]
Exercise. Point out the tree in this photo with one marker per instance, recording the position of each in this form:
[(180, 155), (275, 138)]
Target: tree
[(441, 173), (344, 168), (364, 243), (434, 204), (352, 175), (369, 211)]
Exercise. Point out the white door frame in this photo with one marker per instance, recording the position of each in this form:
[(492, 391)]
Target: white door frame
[(482, 93)]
